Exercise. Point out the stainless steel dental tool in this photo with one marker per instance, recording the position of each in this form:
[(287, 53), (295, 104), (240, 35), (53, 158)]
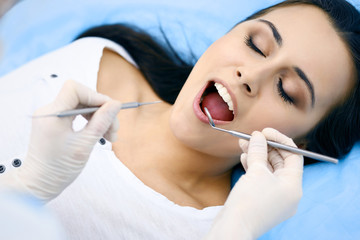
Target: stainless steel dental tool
[(92, 109), (305, 153)]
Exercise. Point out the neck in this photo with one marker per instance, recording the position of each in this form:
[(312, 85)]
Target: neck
[(150, 150)]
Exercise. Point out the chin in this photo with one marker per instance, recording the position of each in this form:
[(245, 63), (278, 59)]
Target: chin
[(206, 141), (183, 128)]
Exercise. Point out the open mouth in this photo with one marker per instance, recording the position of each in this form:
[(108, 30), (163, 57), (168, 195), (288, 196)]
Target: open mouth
[(218, 101)]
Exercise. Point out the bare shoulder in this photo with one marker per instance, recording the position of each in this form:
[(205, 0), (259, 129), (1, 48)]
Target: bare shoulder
[(120, 79)]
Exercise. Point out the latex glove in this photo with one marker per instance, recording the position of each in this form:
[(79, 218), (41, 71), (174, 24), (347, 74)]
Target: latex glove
[(57, 154), (266, 195)]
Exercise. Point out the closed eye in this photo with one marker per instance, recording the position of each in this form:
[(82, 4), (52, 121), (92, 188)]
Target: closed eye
[(249, 42), (283, 94)]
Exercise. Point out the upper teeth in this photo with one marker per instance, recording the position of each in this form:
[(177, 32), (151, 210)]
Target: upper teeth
[(225, 95)]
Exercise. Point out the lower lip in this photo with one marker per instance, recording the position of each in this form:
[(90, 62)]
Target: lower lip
[(198, 111), (196, 105)]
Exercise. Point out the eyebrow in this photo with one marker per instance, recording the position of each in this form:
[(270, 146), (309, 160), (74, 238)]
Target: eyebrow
[(274, 30), (298, 71), (303, 76)]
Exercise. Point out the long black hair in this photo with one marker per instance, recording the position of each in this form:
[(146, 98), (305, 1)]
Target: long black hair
[(167, 72)]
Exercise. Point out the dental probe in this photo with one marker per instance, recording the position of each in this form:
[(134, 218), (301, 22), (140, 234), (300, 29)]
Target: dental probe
[(68, 113), (305, 153)]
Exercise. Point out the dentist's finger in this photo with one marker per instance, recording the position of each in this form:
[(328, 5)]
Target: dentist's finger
[(257, 152), (291, 160), (104, 120), (73, 94), (243, 160)]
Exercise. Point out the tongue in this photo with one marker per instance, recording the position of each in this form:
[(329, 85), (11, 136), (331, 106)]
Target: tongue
[(218, 109)]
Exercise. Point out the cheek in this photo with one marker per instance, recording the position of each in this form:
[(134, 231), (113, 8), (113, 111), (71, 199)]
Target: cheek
[(227, 50), (261, 116)]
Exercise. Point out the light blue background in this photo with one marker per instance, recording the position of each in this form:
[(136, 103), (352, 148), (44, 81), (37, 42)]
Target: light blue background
[(330, 207)]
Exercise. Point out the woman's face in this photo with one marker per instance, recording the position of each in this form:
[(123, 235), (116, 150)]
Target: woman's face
[(285, 70)]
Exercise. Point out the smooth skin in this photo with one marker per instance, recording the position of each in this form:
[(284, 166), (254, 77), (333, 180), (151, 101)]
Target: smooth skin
[(192, 163)]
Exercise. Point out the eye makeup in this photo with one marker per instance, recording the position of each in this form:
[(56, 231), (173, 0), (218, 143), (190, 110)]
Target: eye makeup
[(283, 94), (258, 34), (250, 43)]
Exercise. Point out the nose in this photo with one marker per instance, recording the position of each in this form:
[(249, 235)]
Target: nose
[(247, 85), (252, 79)]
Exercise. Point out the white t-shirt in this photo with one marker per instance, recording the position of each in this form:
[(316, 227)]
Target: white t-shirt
[(106, 201)]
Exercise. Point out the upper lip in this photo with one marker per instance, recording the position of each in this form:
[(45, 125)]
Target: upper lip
[(232, 95), (233, 98)]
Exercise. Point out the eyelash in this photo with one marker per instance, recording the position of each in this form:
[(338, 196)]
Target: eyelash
[(249, 42), (287, 99), (282, 93)]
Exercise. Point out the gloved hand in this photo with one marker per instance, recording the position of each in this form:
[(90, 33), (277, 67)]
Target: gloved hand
[(266, 195), (56, 153)]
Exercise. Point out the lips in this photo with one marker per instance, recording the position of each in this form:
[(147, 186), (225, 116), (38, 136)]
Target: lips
[(218, 99)]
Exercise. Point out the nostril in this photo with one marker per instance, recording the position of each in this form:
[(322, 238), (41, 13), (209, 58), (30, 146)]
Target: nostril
[(247, 88), (239, 73)]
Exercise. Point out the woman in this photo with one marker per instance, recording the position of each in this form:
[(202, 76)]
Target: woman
[(266, 65)]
